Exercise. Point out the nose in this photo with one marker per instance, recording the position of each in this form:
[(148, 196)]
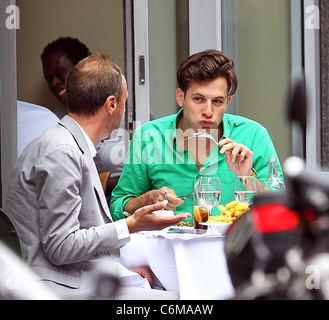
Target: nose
[(207, 109), (54, 82)]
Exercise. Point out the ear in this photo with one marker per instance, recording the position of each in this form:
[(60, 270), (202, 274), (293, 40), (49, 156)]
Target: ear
[(111, 104), (229, 98), (180, 97)]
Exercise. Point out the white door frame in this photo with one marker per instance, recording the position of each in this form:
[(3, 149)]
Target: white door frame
[(313, 82), (8, 97), (137, 63), (208, 34)]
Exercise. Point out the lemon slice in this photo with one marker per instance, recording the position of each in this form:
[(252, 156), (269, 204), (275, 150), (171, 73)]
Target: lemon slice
[(200, 214)]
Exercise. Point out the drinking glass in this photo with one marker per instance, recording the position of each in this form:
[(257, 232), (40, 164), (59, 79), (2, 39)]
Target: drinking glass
[(200, 212), (245, 189), (209, 192)]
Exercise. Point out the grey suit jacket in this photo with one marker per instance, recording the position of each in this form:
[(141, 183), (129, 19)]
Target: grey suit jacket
[(57, 203)]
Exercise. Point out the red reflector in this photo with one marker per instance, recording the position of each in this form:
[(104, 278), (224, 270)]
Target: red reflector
[(309, 215), (274, 218)]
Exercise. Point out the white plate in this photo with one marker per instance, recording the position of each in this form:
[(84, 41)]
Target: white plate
[(181, 229), (220, 226)]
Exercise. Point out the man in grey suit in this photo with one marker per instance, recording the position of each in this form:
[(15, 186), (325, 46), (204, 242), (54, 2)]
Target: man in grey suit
[(55, 196)]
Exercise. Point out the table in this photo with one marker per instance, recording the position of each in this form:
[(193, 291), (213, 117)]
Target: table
[(192, 265)]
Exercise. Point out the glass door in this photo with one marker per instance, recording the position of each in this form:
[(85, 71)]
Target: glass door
[(256, 35), (159, 35)]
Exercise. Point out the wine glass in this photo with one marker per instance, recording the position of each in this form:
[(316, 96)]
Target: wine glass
[(209, 192), (245, 189)]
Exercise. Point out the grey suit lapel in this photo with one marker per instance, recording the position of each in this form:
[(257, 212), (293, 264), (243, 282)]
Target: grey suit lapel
[(78, 136)]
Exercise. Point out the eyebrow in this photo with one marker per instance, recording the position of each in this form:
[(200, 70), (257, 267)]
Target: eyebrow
[(201, 95)]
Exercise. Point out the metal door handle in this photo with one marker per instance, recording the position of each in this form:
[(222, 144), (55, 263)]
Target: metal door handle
[(142, 70)]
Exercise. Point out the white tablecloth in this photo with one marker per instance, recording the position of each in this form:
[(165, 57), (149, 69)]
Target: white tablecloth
[(193, 265)]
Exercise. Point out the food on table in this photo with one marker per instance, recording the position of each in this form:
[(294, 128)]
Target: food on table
[(230, 212), (185, 224)]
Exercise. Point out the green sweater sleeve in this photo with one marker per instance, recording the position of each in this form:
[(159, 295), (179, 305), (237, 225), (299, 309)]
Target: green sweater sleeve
[(133, 180)]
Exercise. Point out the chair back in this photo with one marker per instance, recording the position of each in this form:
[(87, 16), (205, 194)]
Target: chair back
[(105, 176), (9, 234)]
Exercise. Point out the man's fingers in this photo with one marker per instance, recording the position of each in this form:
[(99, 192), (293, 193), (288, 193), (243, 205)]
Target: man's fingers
[(183, 215)]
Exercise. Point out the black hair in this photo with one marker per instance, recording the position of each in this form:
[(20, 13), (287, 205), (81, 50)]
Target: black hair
[(72, 47)]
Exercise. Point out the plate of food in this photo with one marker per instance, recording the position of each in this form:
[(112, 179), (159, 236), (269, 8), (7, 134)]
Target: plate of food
[(232, 211), (177, 229), (182, 227), (228, 214)]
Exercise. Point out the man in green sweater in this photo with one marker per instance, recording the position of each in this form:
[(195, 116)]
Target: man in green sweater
[(164, 162)]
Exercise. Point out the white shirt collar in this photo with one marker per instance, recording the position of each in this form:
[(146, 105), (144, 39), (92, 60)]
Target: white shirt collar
[(91, 146)]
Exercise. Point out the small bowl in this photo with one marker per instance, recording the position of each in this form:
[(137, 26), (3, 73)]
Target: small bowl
[(221, 227)]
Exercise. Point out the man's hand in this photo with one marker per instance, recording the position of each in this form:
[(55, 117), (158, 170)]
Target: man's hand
[(165, 193), (152, 197), (238, 157), (144, 272), (145, 219)]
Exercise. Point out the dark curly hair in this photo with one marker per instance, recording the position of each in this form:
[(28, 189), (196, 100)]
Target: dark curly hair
[(74, 49)]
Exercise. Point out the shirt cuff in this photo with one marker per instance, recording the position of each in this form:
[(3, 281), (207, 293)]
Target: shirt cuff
[(122, 232)]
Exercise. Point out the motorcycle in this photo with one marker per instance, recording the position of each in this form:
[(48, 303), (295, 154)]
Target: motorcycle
[(280, 248)]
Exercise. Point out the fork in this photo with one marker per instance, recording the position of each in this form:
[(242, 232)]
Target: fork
[(202, 135), (205, 135), (165, 204)]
